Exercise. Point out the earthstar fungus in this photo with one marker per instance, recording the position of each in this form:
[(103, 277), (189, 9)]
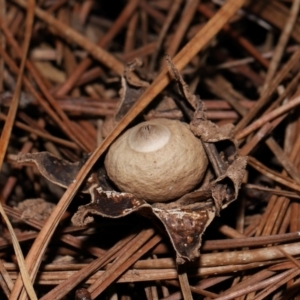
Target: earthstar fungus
[(184, 179), (158, 160)]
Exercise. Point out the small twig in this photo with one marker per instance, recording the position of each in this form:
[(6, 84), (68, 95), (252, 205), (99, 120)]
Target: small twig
[(167, 23), (62, 289), (2, 42), (265, 97), (186, 17), (5, 280), (292, 273), (96, 51), (121, 264), (284, 37), (268, 117), (184, 283), (272, 174)]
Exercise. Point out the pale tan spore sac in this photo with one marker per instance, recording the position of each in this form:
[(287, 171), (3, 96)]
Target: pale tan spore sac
[(157, 160)]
